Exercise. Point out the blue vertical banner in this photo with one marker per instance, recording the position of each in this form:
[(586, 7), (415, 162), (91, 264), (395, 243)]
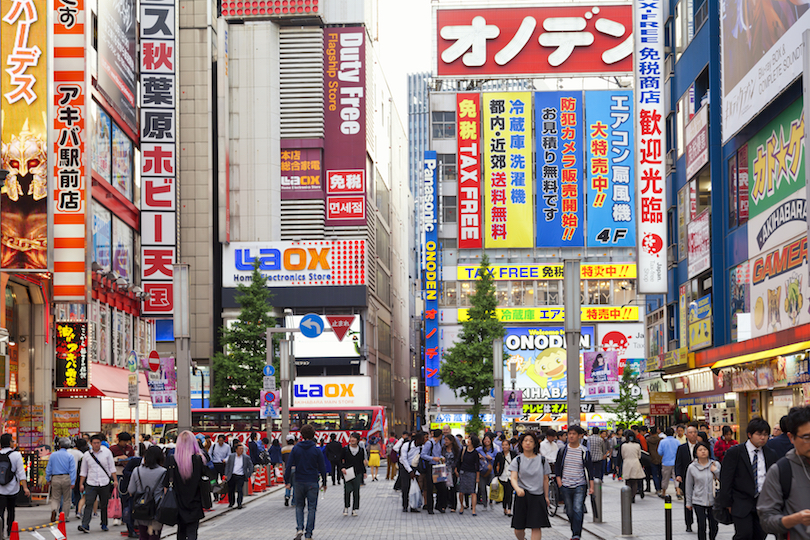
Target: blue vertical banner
[(560, 181), (610, 168), (430, 267)]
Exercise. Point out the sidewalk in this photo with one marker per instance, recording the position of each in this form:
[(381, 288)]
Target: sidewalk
[(647, 516), (40, 514)]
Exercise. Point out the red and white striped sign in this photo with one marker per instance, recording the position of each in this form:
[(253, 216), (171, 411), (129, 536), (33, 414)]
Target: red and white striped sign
[(69, 152)]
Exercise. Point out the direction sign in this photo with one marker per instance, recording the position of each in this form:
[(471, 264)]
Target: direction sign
[(269, 384), (269, 370), (311, 325), (132, 390), (340, 324), (154, 361)]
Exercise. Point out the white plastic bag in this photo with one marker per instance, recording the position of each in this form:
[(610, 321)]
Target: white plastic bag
[(415, 496)]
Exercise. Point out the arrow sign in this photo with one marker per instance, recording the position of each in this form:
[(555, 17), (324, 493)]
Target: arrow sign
[(311, 325), (340, 324)]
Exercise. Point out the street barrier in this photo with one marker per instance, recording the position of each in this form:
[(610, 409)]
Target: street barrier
[(60, 526), (668, 517), (627, 511)]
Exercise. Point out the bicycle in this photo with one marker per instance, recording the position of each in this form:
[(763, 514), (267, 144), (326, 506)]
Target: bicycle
[(553, 495)]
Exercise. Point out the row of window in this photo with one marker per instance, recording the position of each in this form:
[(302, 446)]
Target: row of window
[(594, 292)]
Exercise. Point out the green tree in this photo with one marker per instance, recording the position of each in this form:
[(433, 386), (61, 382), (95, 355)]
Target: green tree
[(238, 370), (626, 408), (467, 365)]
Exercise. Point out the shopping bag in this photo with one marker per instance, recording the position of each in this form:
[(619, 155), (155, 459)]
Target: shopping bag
[(415, 496), (114, 510), (439, 473), (495, 491)]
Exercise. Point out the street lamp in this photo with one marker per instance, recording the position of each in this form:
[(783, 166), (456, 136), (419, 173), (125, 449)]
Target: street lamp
[(196, 370)]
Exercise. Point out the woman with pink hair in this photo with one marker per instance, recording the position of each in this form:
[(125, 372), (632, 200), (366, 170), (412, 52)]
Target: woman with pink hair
[(185, 468)]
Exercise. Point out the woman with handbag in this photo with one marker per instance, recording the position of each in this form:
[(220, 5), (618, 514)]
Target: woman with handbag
[(468, 472), (146, 489), (701, 476), (487, 451), (353, 467), (501, 469), (632, 471), (451, 453), (183, 499)]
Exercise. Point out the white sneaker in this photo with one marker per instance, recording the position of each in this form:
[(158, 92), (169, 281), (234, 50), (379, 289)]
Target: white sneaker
[(299, 535), (345, 511), (354, 513)]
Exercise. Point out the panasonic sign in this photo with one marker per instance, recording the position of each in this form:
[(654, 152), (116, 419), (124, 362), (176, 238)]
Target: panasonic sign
[(354, 391)]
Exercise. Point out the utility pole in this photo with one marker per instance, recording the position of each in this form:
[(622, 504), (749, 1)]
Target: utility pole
[(573, 328), (497, 394), (182, 340)]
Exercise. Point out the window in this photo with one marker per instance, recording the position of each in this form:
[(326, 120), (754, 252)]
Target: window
[(384, 379), (448, 209), (522, 293), (449, 295), (324, 420), (548, 293), (444, 124), (703, 190), (383, 285), (598, 292), (383, 337), (624, 292), (502, 293), (356, 420), (102, 237), (383, 197), (467, 290), (383, 244), (447, 167)]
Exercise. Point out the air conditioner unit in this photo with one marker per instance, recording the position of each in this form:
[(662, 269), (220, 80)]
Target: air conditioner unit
[(671, 161), (672, 260)]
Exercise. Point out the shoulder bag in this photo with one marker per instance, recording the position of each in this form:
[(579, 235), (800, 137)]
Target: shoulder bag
[(167, 509), (205, 487)]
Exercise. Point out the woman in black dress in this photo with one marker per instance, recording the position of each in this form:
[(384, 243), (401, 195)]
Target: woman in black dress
[(185, 469)]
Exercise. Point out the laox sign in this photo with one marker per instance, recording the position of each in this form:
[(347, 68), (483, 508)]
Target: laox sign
[(321, 390), (294, 259)]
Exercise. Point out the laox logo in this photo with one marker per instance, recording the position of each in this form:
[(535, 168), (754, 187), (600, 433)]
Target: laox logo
[(293, 258), (321, 390)]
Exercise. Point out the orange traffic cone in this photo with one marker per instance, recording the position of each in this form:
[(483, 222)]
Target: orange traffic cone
[(250, 486), (15, 532), (62, 528)]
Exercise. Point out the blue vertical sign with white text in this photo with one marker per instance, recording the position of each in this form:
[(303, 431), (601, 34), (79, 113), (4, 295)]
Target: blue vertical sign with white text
[(430, 267), (610, 168), (560, 201)]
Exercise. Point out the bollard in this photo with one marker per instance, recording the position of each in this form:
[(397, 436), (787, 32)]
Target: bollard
[(62, 528), (668, 517), (596, 501), (627, 511)]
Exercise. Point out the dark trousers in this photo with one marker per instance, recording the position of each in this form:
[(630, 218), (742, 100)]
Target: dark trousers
[(220, 469), (126, 512), (90, 494), (351, 492), (187, 531), (507, 494), (336, 470), (704, 514), (599, 469), (236, 485), (748, 527), (689, 516), (441, 491), (8, 504), (405, 485), (483, 484), (656, 475)]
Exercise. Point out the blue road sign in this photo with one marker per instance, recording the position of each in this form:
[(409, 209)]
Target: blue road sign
[(311, 325), (269, 370)]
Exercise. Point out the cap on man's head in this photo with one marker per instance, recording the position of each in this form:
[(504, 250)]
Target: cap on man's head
[(290, 438), (124, 436)]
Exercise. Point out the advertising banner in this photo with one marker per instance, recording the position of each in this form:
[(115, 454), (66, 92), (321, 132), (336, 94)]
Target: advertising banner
[(540, 357), (700, 323), (610, 168), (301, 175), (163, 384), (291, 264), (72, 356), (508, 169), (700, 249), (100, 145), (560, 200), (662, 403), (627, 340), (24, 197), (601, 374), (778, 278), (683, 327), (740, 295), (116, 52), (556, 314), (348, 391), (66, 423), (430, 268), (531, 40), (650, 146), (158, 155), (683, 219), (512, 403), (548, 271), (468, 118), (122, 157), (697, 142), (345, 197), (762, 54)]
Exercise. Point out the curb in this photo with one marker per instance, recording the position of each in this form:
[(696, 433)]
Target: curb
[(584, 528)]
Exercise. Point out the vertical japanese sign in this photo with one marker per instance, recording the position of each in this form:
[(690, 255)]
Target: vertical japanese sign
[(430, 268), (69, 146), (72, 359), (508, 169), (117, 55), (468, 118), (560, 205), (24, 195), (158, 149), (301, 173), (650, 147), (610, 168), (345, 125)]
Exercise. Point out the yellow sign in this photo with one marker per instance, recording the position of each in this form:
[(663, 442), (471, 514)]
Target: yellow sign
[(548, 271), (557, 314), (674, 358), (508, 178)]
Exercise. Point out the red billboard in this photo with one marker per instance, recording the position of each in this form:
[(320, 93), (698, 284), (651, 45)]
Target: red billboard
[(507, 42), (468, 113), (346, 210), (301, 173)]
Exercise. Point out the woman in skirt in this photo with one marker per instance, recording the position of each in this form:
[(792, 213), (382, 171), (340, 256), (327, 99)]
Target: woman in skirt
[(467, 466), (529, 473)]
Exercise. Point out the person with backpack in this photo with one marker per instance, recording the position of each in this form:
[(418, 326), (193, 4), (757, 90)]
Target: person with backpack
[(12, 478), (502, 462), (573, 471), (699, 489), (409, 455), (401, 473), (334, 452), (98, 479), (185, 472), (431, 456), (145, 487), (529, 474), (307, 461), (487, 451)]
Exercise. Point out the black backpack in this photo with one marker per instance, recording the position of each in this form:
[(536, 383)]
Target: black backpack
[(7, 473), (145, 504)]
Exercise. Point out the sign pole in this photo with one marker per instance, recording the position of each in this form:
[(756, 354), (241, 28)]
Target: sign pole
[(573, 328), (284, 345), (497, 395)]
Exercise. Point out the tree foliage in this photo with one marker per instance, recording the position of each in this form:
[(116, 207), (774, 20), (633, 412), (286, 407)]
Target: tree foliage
[(237, 378), (626, 408), (467, 365)]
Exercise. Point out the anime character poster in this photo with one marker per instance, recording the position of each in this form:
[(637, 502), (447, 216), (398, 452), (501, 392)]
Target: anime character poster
[(601, 374)]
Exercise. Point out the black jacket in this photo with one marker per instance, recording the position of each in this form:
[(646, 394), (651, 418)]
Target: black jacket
[(586, 461), (357, 461), (189, 501), (780, 445), (253, 452), (682, 460), (737, 483), (334, 451), (500, 461)]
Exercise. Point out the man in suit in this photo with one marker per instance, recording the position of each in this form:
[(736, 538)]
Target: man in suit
[(780, 444), (742, 478), (683, 458)]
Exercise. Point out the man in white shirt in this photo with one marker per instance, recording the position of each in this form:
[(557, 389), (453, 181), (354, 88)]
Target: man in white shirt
[(409, 450), (9, 490), (549, 448), (98, 479)]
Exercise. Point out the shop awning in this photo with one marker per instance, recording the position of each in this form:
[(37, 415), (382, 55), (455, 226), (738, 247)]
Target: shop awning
[(763, 355), (108, 381), (787, 341)]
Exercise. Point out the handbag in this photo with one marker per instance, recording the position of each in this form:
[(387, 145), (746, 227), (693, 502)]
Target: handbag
[(167, 509), (721, 514), (114, 510), (439, 473)]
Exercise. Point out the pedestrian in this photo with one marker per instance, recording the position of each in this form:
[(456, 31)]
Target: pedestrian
[(488, 452), (780, 444), (150, 474), (289, 480), (122, 451), (185, 470), (307, 462), (699, 489), (724, 443), (431, 456), (549, 448), (742, 477), (778, 514), (680, 430), (123, 486), (11, 461), (632, 471), (221, 451), (668, 448), (353, 468), (77, 451), (573, 470), (238, 469), (469, 473), (653, 440), (275, 453), (391, 457), (254, 450), (60, 473), (407, 472), (451, 453), (502, 462), (598, 449), (683, 458), (704, 437), (375, 450), (401, 473), (529, 477), (98, 479)]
